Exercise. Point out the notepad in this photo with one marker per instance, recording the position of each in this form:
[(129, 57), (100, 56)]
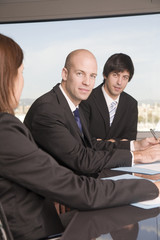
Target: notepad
[(150, 168), (144, 204)]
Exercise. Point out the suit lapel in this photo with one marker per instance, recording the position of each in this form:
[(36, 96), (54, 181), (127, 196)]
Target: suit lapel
[(103, 109), (87, 136), (101, 104), (70, 118)]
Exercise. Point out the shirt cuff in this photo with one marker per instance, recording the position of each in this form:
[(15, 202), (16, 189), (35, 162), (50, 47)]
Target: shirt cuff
[(132, 146), (132, 159), (132, 150)]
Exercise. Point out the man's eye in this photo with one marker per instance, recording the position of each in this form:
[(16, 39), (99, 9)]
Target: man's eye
[(79, 73), (93, 76), (114, 74), (126, 78)]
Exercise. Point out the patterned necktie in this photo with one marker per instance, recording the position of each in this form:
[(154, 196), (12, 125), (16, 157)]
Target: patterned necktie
[(77, 118), (112, 111)]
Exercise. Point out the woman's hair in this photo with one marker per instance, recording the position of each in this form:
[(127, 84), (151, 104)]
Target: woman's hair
[(11, 58)]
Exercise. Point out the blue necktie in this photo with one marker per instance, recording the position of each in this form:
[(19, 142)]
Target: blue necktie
[(77, 118), (112, 111)]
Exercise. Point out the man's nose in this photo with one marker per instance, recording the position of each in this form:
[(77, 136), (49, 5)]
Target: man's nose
[(86, 80), (119, 80)]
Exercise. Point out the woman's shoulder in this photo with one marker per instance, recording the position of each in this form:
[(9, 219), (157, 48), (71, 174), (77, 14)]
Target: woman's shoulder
[(6, 118), (9, 122)]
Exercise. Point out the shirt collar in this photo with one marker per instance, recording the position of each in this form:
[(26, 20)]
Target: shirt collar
[(70, 103), (108, 99)]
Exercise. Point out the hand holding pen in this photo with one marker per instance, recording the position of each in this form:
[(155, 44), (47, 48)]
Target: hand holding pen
[(154, 134), (146, 142)]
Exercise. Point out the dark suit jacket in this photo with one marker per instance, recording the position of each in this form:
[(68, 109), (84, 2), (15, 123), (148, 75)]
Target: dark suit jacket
[(96, 113), (30, 180), (54, 128)]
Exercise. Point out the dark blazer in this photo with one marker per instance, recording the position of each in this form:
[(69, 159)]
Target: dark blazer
[(96, 113), (31, 180), (54, 128)]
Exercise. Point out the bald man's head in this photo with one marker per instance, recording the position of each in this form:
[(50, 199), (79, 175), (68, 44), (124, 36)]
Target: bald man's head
[(79, 74), (74, 54)]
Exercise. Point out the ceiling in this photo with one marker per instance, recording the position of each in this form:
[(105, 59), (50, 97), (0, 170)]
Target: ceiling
[(35, 10)]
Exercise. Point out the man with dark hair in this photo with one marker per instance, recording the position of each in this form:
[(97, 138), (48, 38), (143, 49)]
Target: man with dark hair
[(111, 113)]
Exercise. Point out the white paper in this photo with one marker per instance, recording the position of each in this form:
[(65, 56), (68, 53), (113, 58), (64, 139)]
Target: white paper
[(150, 168)]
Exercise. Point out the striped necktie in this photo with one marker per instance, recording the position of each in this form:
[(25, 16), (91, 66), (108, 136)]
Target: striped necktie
[(112, 111), (77, 118)]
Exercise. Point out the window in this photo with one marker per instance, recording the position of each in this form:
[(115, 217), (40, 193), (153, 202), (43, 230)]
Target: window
[(46, 45)]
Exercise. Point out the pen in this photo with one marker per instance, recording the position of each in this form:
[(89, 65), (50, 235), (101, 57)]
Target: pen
[(154, 134)]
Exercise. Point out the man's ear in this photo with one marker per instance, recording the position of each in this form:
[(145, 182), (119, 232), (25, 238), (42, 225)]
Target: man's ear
[(104, 77), (64, 74)]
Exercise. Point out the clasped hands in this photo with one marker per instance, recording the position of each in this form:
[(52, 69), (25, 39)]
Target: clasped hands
[(146, 150)]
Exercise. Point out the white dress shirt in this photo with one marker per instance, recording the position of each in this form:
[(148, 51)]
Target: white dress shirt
[(70, 103), (108, 99)]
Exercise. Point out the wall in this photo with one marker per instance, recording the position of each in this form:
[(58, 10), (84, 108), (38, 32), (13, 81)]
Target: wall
[(29, 10)]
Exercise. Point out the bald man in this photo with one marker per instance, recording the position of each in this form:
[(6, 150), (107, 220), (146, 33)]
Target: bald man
[(60, 129)]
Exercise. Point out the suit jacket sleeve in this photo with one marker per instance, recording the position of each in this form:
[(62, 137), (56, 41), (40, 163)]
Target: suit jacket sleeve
[(23, 163)]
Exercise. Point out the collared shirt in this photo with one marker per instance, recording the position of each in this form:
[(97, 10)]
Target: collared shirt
[(108, 99), (70, 103)]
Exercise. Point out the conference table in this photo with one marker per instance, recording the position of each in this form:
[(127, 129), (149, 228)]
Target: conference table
[(118, 223)]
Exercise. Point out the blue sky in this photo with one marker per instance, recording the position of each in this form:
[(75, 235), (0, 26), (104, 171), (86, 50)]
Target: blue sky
[(46, 45)]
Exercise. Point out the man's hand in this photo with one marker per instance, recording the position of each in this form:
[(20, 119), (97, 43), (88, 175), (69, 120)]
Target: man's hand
[(145, 143), (149, 155)]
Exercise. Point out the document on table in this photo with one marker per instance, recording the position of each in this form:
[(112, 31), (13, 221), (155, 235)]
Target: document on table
[(145, 204), (150, 168)]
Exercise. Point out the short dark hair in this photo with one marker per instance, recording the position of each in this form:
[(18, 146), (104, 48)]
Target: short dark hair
[(118, 62)]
